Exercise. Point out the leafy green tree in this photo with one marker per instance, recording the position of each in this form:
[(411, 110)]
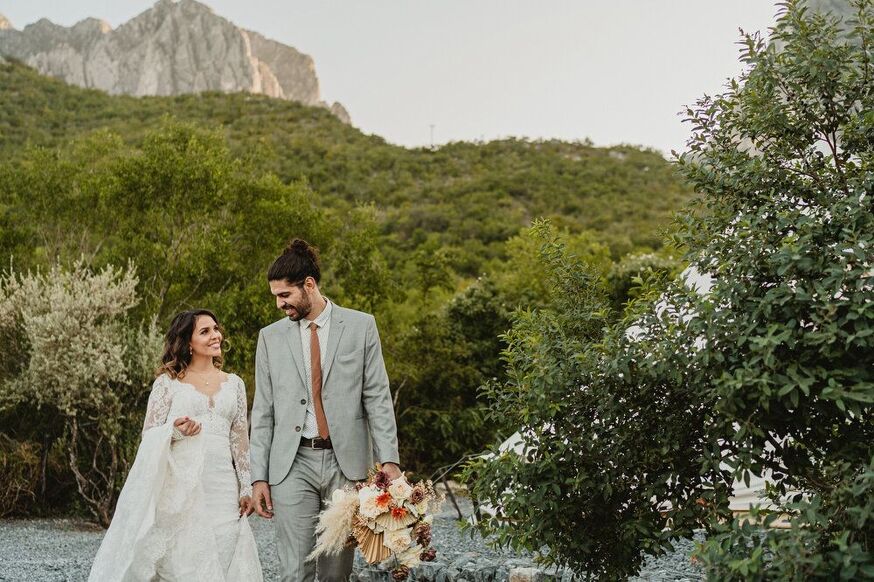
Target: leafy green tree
[(627, 278), (181, 207), (611, 445), (633, 434), (785, 161), (522, 278), (454, 345)]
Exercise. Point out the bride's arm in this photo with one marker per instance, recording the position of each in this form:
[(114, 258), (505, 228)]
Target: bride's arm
[(240, 443), (158, 408), (159, 404)]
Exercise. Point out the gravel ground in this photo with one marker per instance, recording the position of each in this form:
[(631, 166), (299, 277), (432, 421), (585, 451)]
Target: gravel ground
[(62, 550)]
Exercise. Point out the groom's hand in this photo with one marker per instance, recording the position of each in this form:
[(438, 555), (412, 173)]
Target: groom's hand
[(392, 470), (261, 499)]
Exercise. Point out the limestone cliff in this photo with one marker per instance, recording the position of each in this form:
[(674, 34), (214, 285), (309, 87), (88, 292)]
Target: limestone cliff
[(177, 46)]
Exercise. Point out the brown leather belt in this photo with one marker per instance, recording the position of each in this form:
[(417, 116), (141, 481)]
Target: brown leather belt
[(316, 443)]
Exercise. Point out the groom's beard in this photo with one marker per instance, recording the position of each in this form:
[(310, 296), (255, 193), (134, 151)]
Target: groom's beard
[(300, 310)]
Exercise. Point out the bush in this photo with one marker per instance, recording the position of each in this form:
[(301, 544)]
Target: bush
[(84, 374), (611, 448), (20, 469), (827, 539)]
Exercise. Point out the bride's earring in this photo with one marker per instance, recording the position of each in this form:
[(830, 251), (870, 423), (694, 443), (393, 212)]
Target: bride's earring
[(190, 351)]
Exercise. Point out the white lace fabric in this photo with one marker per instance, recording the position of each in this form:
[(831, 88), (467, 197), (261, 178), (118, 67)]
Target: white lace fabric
[(240, 442), (177, 516), (221, 413)]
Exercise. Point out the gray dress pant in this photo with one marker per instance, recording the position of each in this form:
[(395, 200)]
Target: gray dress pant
[(297, 501)]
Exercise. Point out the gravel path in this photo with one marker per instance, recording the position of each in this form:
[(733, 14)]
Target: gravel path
[(61, 550)]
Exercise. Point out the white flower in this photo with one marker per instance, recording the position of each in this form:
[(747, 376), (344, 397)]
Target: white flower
[(410, 557), (400, 488), (367, 502), (397, 540), (340, 495)]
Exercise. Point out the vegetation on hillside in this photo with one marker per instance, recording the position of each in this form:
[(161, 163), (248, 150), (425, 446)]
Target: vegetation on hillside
[(470, 196)]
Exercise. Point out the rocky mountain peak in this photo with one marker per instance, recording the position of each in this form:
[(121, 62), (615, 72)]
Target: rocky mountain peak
[(189, 5), (92, 25), (184, 8), (5, 24), (43, 26), (174, 47)]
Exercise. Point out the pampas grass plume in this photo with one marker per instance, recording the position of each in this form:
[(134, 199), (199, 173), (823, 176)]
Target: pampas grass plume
[(334, 526)]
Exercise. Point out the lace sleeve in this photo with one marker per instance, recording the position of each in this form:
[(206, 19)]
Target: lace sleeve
[(240, 443), (159, 404)]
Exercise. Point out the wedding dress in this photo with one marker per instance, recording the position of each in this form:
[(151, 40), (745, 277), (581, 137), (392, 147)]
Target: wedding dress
[(178, 516)]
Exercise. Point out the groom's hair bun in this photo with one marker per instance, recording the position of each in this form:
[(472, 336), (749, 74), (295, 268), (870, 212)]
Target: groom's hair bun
[(301, 247), (298, 261)]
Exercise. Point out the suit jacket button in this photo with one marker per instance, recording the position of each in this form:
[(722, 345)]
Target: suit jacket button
[(303, 401), (297, 429)]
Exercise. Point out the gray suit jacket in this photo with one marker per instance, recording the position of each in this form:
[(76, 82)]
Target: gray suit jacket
[(355, 395)]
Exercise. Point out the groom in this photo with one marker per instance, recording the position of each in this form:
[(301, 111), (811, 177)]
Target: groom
[(322, 414)]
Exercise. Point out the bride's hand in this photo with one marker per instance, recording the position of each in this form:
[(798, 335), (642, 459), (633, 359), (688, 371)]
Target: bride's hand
[(187, 426), (246, 506)]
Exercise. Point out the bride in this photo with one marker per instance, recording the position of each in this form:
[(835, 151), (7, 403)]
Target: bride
[(183, 511)]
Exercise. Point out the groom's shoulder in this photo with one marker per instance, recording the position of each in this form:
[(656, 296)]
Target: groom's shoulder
[(353, 315), (275, 327)]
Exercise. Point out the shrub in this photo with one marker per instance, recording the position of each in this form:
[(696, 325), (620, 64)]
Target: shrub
[(20, 470), (84, 372)]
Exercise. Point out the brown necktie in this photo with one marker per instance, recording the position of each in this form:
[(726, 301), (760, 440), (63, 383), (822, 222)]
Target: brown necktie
[(316, 367)]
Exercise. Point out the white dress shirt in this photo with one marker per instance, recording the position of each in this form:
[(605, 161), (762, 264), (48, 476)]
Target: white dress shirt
[(310, 428)]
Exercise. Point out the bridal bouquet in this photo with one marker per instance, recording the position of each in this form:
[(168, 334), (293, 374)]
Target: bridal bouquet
[(387, 520)]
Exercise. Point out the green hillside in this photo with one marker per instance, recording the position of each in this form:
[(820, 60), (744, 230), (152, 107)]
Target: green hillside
[(469, 193)]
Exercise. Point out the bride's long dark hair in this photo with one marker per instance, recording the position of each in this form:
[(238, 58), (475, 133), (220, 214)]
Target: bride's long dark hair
[(177, 343)]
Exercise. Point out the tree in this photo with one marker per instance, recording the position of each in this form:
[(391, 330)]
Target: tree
[(634, 433), (784, 159), (612, 444)]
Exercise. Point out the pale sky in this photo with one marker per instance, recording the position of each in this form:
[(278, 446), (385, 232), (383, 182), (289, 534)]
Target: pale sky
[(613, 71)]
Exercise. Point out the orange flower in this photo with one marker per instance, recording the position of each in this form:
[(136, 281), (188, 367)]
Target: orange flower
[(398, 513), (383, 499)]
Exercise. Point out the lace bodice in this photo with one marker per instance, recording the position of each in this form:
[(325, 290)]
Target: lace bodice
[(223, 414)]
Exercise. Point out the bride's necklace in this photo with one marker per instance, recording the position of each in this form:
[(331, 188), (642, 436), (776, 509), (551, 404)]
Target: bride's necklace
[(202, 375)]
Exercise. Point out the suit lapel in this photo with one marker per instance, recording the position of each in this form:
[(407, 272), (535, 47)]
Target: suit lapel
[(297, 350), (336, 332)]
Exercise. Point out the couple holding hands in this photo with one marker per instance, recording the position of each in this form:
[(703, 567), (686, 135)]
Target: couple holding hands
[(321, 417)]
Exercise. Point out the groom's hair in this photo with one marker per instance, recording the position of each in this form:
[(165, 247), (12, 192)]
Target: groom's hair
[(298, 261)]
